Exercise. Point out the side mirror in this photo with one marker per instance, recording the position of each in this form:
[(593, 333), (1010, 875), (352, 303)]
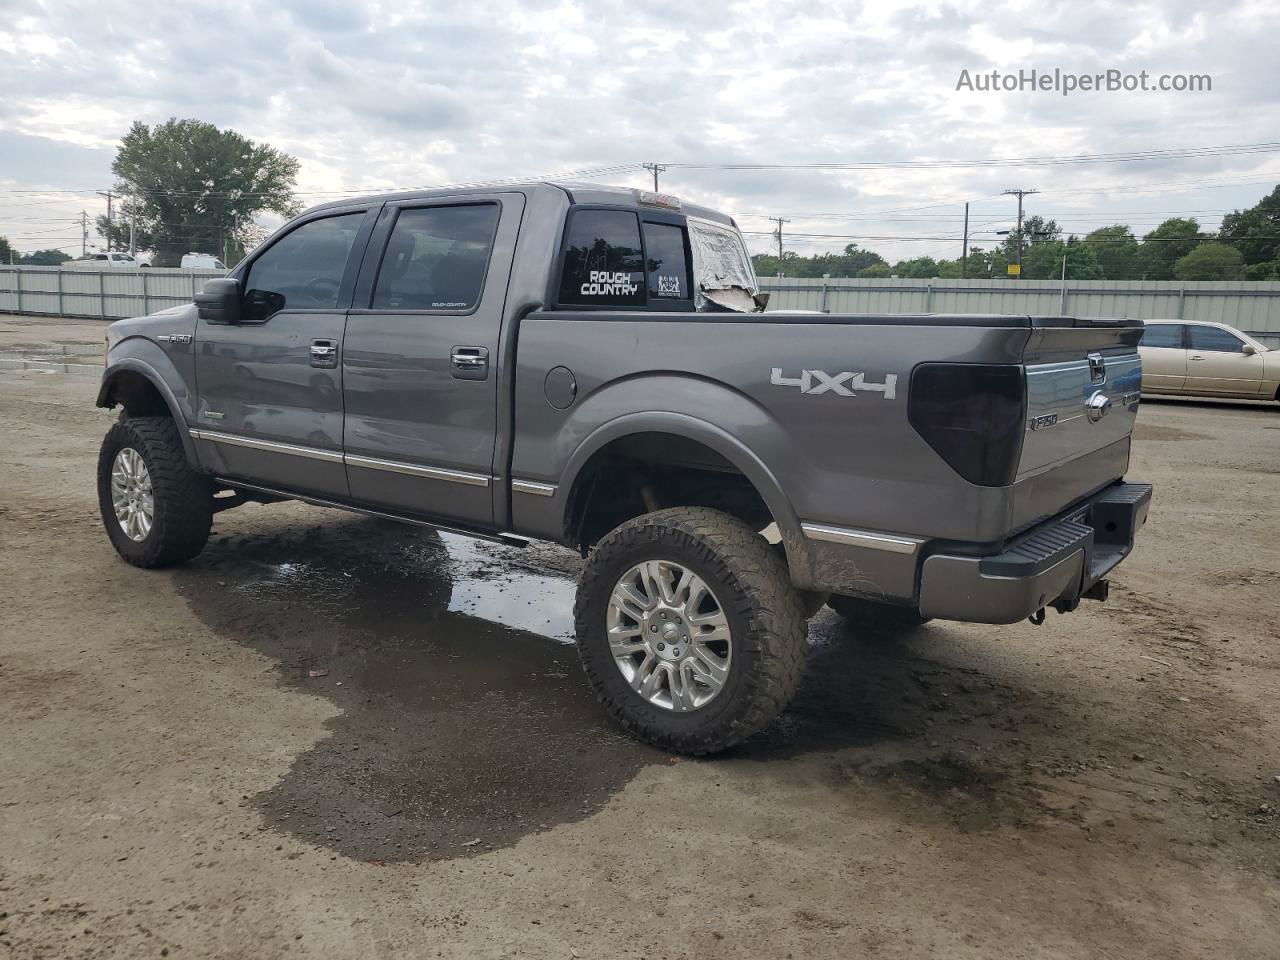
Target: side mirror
[(220, 301), (1249, 350)]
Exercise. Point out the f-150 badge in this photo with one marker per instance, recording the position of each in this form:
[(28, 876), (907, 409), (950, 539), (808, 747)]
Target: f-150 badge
[(814, 382)]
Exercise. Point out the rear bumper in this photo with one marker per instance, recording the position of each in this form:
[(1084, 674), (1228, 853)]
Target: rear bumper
[(1054, 564)]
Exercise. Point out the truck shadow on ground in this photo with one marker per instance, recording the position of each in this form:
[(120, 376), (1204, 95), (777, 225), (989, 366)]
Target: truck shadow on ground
[(466, 722)]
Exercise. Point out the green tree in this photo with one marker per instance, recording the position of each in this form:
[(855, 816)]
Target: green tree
[(1044, 261), (1035, 229), (1166, 245), (880, 269), (194, 187), (1262, 271), (918, 267), (45, 258), (7, 253), (1210, 261), (1255, 232), (1116, 250)]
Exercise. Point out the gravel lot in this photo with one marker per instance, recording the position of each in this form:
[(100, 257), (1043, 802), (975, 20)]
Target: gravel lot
[(174, 782)]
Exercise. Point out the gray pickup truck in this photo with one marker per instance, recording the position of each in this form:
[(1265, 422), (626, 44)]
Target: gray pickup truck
[(594, 366)]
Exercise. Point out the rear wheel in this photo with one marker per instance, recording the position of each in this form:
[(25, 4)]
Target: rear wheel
[(157, 510), (884, 617), (689, 629)]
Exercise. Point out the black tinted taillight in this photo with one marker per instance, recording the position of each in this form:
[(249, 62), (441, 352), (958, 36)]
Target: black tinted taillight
[(973, 416)]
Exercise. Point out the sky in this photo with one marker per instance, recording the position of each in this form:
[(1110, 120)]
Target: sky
[(372, 96)]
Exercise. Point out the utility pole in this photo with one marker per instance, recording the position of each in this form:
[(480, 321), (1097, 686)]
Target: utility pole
[(1019, 193), (964, 249), (84, 234), (108, 194), (779, 221), (133, 234), (657, 168)]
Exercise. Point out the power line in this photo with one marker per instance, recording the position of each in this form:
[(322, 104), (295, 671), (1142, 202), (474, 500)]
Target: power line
[(1123, 157)]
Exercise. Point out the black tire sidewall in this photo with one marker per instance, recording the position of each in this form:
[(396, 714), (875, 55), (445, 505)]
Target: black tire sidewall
[(182, 499), (734, 700), (120, 437)]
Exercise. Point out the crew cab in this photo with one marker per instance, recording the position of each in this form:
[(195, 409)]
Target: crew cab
[(594, 366)]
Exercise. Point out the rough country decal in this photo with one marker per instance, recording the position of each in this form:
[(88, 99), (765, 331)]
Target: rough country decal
[(814, 382), (602, 283)]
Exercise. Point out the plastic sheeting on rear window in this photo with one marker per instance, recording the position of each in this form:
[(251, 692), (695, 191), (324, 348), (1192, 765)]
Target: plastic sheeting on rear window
[(720, 260)]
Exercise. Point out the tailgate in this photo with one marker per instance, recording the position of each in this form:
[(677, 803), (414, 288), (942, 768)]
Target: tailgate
[(1083, 383)]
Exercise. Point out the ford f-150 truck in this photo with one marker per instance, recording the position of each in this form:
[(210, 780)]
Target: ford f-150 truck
[(594, 366)]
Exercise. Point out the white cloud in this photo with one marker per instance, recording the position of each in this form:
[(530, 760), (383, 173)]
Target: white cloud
[(374, 95)]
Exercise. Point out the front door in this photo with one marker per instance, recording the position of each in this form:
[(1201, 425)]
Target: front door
[(269, 404), (1218, 364), (420, 359)]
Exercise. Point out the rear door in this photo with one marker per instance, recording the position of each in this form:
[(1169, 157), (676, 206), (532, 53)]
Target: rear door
[(269, 405), (418, 364), (1164, 357), (1217, 363)]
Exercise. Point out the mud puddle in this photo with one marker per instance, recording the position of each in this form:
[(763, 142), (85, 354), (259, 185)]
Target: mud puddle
[(466, 722), (455, 728)]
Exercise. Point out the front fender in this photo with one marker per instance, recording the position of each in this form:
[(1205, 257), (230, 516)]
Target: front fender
[(159, 371)]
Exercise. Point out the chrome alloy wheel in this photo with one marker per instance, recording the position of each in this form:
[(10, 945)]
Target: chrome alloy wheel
[(669, 635), (131, 494)]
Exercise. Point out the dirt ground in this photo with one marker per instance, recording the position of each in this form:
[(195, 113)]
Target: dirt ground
[(174, 782)]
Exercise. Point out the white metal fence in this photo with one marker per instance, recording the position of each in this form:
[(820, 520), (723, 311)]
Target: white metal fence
[(107, 294), (1252, 307)]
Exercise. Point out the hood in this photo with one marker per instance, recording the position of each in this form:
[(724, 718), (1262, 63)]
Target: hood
[(173, 320)]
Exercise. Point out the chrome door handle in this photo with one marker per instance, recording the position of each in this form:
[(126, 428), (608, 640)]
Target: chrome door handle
[(324, 353), (470, 363), (1197, 358)]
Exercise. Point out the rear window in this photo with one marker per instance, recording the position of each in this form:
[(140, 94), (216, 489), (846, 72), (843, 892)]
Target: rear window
[(666, 262), (1162, 335), (1215, 339), (603, 263), (436, 258)]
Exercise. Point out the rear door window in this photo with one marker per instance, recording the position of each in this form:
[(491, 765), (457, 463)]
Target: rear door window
[(1215, 339), (666, 262), (1163, 335), (436, 258), (603, 260)]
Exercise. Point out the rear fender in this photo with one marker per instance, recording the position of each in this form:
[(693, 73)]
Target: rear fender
[(597, 417)]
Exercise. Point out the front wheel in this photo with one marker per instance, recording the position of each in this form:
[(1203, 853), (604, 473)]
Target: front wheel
[(689, 629), (157, 510)]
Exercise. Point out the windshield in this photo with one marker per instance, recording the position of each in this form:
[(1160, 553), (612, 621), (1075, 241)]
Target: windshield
[(721, 266)]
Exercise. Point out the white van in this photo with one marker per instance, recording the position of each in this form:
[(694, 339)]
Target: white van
[(202, 261)]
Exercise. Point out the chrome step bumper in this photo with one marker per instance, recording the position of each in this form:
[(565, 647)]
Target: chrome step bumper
[(1053, 564)]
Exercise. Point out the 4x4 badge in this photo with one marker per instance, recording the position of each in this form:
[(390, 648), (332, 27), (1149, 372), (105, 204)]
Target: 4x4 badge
[(814, 382)]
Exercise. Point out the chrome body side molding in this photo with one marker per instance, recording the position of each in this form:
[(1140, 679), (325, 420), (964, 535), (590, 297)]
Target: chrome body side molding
[(271, 446), (351, 460), (417, 470), (860, 538), (533, 488)]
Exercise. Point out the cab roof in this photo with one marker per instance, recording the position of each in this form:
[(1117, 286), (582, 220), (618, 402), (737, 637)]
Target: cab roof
[(578, 192)]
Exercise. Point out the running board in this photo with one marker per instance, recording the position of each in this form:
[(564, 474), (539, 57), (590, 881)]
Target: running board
[(505, 539)]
